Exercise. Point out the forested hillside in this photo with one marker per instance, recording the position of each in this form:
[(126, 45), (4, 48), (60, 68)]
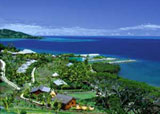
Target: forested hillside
[(6, 33)]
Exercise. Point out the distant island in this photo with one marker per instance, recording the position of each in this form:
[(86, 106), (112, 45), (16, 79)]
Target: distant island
[(6, 33)]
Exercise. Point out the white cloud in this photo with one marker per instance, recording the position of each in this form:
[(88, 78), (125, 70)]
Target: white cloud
[(141, 30), (39, 30), (142, 27)]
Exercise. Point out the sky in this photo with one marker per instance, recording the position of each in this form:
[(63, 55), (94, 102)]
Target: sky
[(82, 17)]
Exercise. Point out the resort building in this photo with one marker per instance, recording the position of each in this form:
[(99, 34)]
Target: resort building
[(40, 89), (79, 59), (25, 51), (67, 101), (89, 55), (55, 74), (59, 82), (53, 56), (69, 64), (25, 66)]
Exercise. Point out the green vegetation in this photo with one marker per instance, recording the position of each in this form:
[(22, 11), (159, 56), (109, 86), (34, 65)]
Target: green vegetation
[(104, 67), (92, 84), (5, 33), (23, 112), (5, 112), (99, 57), (83, 95), (2, 47), (119, 95)]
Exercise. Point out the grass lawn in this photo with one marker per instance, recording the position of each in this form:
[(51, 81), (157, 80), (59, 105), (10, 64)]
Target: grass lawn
[(83, 95)]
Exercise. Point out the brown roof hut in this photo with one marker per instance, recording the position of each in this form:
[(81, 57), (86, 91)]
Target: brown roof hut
[(67, 101)]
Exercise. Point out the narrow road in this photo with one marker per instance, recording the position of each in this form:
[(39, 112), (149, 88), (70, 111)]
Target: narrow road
[(32, 74), (3, 77)]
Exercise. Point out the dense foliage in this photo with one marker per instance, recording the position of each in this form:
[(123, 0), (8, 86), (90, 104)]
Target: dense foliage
[(119, 95), (2, 47), (104, 67), (76, 75)]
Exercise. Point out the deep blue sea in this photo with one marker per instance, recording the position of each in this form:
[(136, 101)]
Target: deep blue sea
[(146, 50)]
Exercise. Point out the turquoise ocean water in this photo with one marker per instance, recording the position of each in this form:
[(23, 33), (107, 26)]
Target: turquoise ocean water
[(145, 50)]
